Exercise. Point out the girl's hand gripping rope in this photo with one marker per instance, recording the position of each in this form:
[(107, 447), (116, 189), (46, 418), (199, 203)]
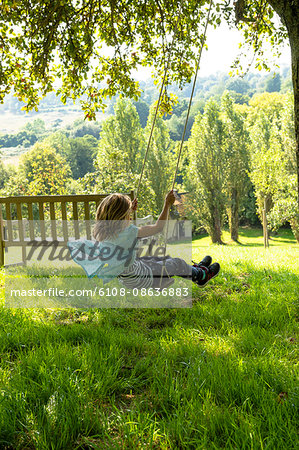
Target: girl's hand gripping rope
[(170, 198), (134, 204)]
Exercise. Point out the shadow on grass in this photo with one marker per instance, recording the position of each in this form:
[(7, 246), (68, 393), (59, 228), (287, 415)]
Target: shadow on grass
[(246, 280), (248, 234), (282, 240), (246, 244), (98, 370), (224, 361)]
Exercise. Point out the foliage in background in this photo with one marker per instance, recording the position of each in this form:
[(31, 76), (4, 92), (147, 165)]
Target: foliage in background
[(285, 207), (4, 176), (143, 111), (272, 155), (79, 152), (236, 150), (27, 136), (120, 156), (122, 142), (99, 183), (207, 175), (121, 146), (82, 128), (45, 171), (266, 161), (160, 163)]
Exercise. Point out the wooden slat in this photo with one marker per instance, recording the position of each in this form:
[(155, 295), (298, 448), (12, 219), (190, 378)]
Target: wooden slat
[(53, 198), (53, 221), (30, 218), (8, 222), (1, 238), (75, 219), (2, 252), (64, 221), (87, 220), (1, 225), (42, 220), (59, 243), (20, 222), (21, 230)]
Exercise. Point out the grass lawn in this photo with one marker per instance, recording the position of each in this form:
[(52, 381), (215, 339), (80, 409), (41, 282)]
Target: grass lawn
[(219, 375)]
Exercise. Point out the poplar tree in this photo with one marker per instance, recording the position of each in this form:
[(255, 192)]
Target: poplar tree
[(160, 162), (121, 146), (207, 176), (235, 147)]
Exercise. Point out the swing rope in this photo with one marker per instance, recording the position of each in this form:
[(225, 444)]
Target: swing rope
[(191, 97), (157, 106), (160, 96), (186, 121), (183, 137)]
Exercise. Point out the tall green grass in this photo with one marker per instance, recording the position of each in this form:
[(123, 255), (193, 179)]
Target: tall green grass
[(219, 375)]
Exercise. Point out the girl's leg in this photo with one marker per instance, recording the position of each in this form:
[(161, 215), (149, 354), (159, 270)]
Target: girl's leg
[(174, 267), (154, 258), (178, 267)]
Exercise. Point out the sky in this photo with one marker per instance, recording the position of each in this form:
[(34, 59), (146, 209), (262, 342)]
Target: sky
[(223, 47)]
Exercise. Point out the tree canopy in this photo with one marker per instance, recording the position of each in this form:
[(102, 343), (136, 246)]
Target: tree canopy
[(89, 49), (92, 47)]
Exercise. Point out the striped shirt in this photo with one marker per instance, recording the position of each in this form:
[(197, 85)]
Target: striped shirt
[(138, 275)]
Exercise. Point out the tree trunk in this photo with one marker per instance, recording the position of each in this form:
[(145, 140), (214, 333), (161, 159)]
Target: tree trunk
[(216, 226), (295, 228), (233, 215), (288, 11)]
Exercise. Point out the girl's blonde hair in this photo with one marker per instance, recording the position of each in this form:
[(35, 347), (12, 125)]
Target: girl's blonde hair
[(111, 211)]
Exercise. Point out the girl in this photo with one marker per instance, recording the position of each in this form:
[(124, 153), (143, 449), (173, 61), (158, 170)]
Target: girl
[(119, 238)]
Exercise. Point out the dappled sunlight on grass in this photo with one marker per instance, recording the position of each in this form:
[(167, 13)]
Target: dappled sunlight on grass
[(249, 237), (218, 375), (244, 260)]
